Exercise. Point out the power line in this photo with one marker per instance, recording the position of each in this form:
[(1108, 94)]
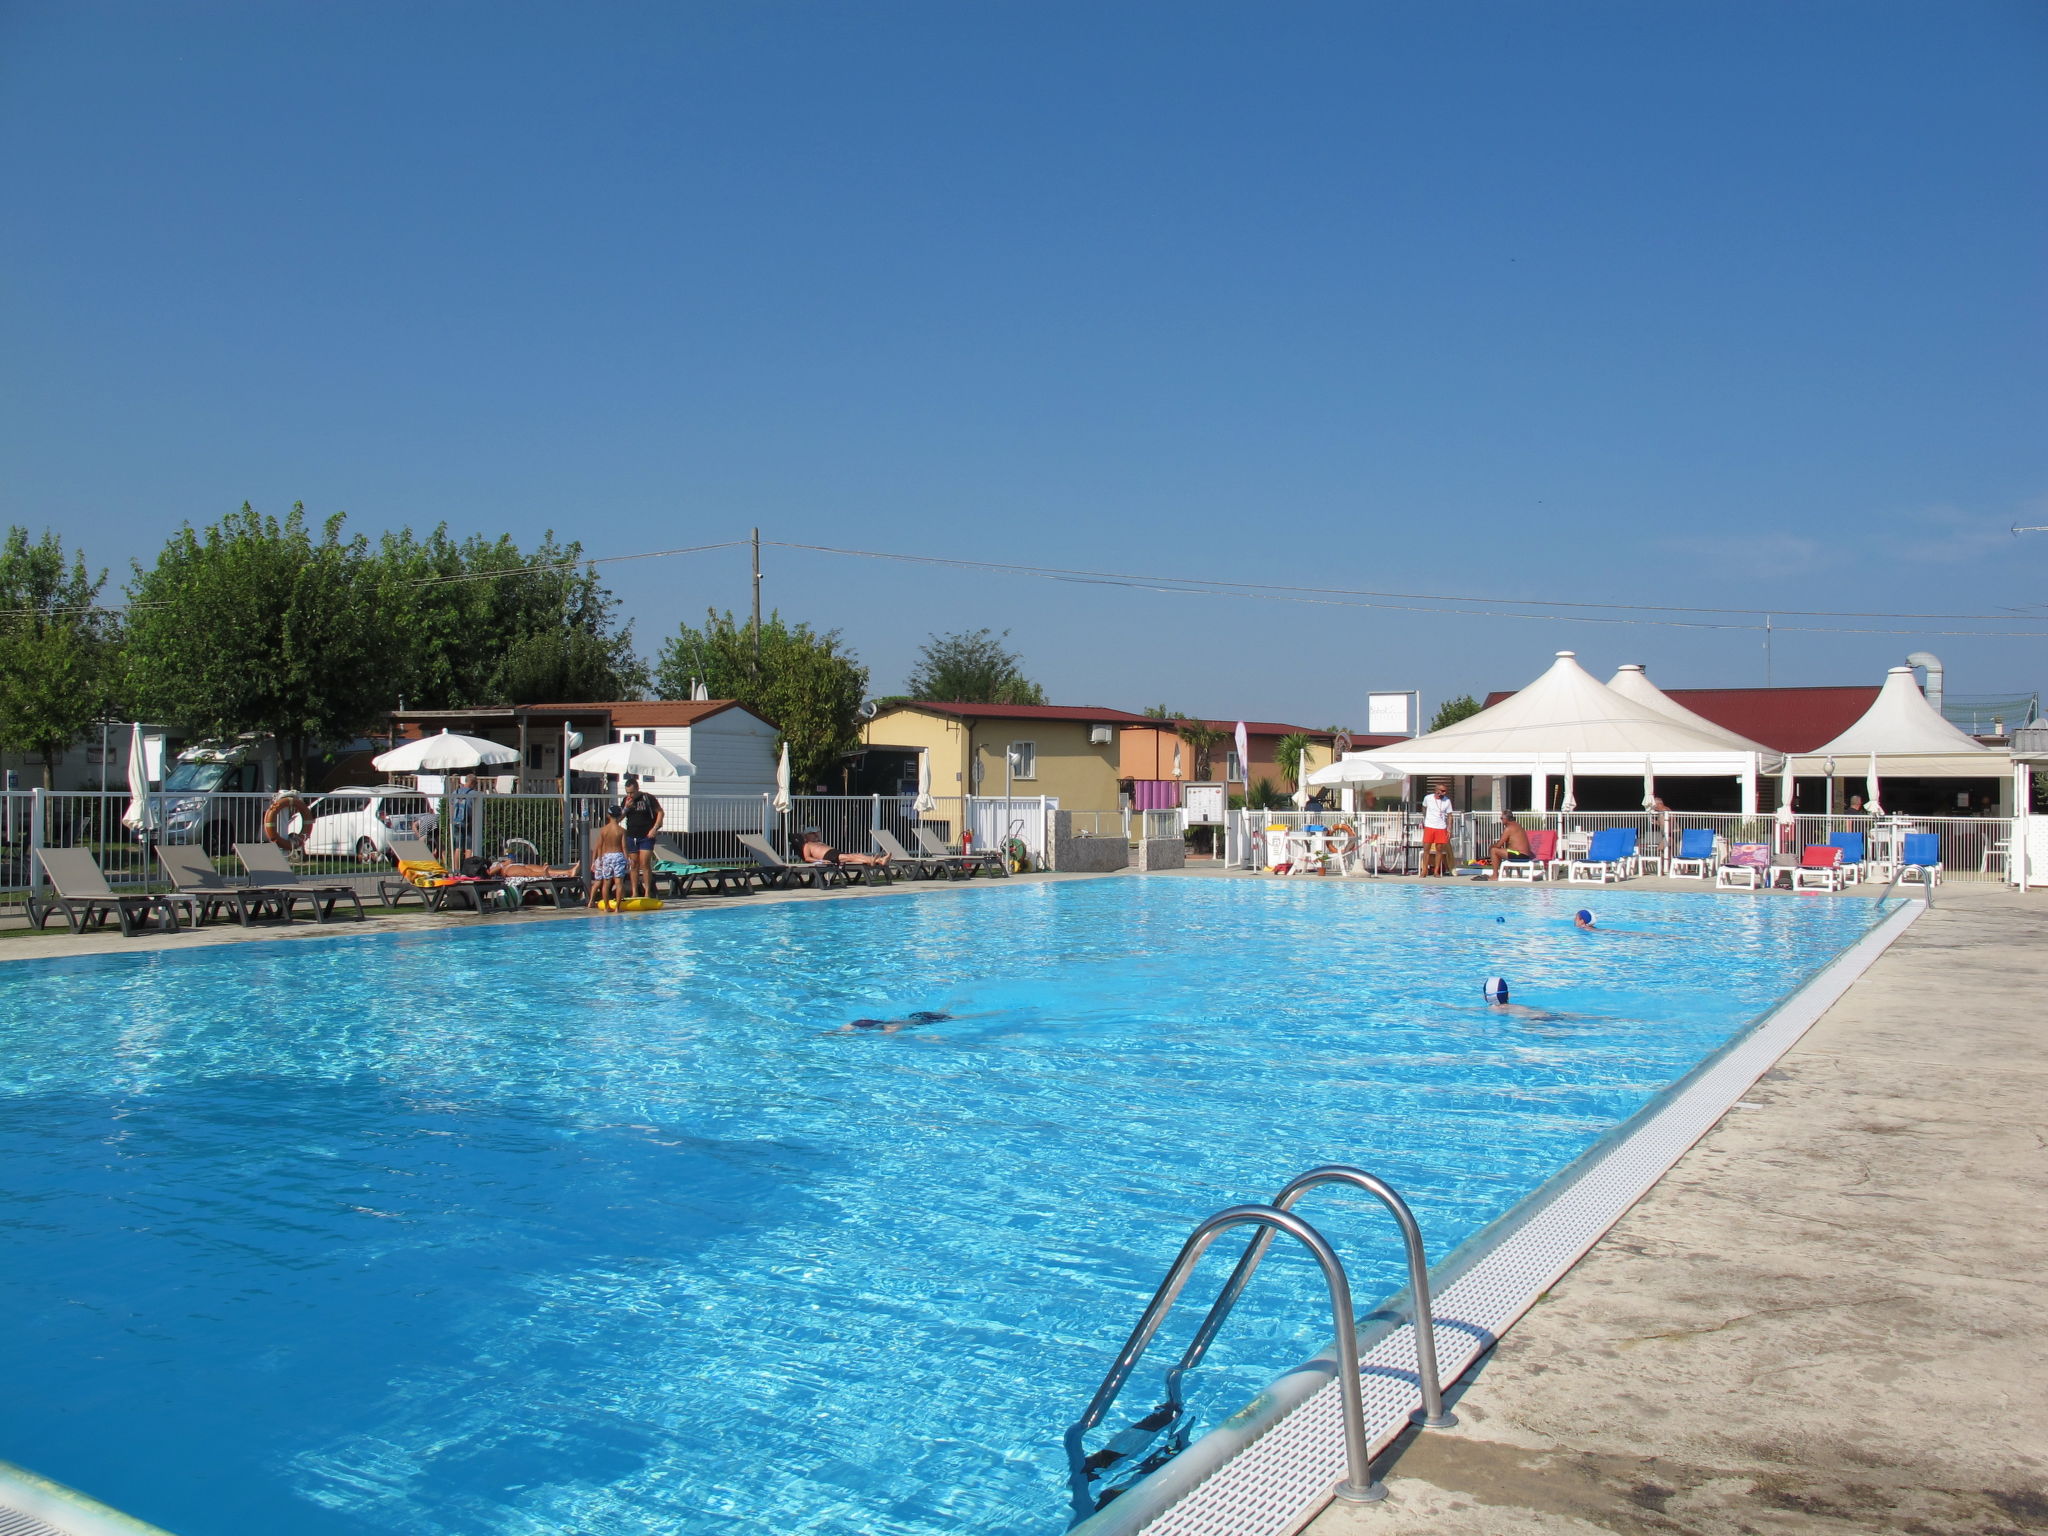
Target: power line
[(1344, 597)]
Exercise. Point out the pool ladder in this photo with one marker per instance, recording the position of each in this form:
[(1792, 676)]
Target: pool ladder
[(1359, 1485)]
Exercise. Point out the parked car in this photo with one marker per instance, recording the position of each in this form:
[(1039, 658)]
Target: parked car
[(362, 821)]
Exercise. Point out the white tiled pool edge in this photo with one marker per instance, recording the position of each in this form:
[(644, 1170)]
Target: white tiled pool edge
[(1221, 1486), (35, 1506)]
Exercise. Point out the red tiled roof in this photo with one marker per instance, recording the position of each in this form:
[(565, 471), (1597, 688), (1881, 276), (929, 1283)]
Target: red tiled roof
[(1251, 727), (1784, 719), (1789, 719), (1026, 712)]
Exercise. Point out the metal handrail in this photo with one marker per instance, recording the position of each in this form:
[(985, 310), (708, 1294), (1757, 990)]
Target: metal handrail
[(1358, 1486), (1432, 1414)]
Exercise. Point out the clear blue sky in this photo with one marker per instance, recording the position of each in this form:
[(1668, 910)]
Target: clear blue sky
[(1719, 304)]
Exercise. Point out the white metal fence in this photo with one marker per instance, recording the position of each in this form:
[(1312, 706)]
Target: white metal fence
[(1972, 847), (350, 834)]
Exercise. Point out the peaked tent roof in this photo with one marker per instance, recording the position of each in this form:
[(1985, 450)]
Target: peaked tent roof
[(1565, 711), (1900, 722), (1632, 681)]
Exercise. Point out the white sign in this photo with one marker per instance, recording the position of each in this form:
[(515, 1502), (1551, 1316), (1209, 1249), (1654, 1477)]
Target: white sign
[(1386, 714), (1204, 803)]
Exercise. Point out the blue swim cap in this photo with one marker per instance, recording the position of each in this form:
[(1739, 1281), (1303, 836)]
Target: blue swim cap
[(1496, 989), (1500, 919), (1583, 915)]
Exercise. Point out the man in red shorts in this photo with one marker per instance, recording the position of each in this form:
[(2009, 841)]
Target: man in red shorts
[(1436, 830)]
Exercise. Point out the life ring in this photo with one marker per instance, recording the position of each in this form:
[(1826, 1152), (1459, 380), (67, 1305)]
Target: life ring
[(276, 817)]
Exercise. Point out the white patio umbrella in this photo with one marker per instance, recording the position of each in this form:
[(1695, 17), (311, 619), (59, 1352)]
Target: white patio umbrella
[(1571, 799), (782, 800), (924, 804), (640, 758), (1870, 801), (137, 815), (445, 753)]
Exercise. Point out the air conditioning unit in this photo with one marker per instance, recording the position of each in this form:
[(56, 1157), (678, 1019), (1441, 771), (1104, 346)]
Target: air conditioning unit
[(1100, 735)]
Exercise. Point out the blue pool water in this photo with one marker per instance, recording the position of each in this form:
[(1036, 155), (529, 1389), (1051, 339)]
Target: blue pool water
[(601, 1227)]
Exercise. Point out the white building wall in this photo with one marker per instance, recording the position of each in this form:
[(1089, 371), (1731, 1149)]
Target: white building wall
[(733, 751)]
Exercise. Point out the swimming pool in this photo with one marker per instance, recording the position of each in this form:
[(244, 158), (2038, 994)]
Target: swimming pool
[(606, 1227)]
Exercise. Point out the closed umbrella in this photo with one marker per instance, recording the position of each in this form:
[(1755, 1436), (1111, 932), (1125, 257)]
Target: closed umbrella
[(1870, 801), (643, 759), (1571, 800), (136, 816), (925, 804), (782, 800), (445, 753)]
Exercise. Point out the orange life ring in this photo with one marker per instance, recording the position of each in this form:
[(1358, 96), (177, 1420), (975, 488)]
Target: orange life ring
[(280, 810)]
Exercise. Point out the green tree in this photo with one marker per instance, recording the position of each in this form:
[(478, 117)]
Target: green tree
[(263, 625), (58, 649), (971, 667), (1451, 711), (1203, 740), (483, 622), (1288, 752), (805, 682)]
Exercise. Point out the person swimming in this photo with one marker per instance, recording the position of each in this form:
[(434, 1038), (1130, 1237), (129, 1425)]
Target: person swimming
[(891, 1026), (1497, 1002)]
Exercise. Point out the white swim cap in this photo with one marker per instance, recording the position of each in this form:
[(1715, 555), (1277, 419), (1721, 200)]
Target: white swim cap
[(1496, 989)]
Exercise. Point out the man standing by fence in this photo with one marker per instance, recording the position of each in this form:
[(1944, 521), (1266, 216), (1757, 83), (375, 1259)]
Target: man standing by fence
[(1436, 830)]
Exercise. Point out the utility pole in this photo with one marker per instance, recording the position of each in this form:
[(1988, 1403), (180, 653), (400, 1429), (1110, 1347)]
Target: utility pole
[(1769, 619), (757, 594)]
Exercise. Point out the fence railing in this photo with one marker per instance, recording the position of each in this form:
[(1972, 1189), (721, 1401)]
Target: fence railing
[(351, 833), (1972, 848)]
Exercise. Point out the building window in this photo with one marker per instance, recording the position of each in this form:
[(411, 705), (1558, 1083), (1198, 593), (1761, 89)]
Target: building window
[(1023, 759), (1232, 768)]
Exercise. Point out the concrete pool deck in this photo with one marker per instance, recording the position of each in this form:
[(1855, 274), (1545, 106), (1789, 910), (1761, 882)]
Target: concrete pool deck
[(1827, 1317)]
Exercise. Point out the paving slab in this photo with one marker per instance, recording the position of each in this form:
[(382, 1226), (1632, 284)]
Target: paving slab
[(1828, 1317)]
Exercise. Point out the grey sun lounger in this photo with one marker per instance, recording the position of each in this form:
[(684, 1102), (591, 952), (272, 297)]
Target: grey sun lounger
[(87, 901), (921, 865), (682, 872), (991, 861), (458, 893), (269, 868), (192, 871), (782, 871)]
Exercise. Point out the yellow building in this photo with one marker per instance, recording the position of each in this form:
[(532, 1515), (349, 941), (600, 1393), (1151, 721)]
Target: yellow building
[(1071, 754)]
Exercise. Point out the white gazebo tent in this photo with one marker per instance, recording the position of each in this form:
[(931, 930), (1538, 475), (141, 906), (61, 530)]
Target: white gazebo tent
[(1632, 681), (1904, 736), (1567, 722)]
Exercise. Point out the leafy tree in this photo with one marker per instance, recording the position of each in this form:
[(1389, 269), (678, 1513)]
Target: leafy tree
[(805, 682), (1451, 711), (58, 649), (483, 622), (1288, 752), (1264, 797), (971, 668), (261, 625), (1203, 740)]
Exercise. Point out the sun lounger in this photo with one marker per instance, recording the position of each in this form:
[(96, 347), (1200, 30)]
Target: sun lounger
[(269, 867), (1852, 865), (1747, 867), (1920, 859), (866, 868), (419, 870), (922, 866), (531, 876), (784, 873), (87, 901), (682, 872), (1820, 869), (1610, 856), (1538, 866), (1695, 857), (928, 840), (192, 871)]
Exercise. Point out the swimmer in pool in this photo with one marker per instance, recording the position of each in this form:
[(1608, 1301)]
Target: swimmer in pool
[(891, 1026), (1497, 1002)]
